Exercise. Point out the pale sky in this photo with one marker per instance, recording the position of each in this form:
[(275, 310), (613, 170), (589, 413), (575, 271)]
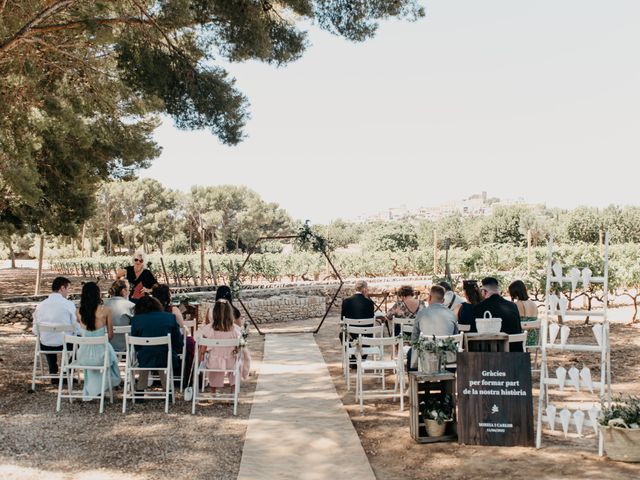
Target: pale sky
[(534, 99)]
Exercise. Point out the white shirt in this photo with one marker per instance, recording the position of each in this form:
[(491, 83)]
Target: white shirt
[(448, 296), (55, 310)]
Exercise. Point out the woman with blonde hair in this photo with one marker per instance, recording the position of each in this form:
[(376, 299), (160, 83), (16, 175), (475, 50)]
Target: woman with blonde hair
[(140, 279), (121, 311), (221, 327)]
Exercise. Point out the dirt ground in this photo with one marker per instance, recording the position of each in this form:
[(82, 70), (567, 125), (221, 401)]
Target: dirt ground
[(36, 442)]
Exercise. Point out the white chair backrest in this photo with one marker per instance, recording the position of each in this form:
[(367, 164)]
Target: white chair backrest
[(518, 337), (121, 329), (190, 323), (86, 340), (218, 342), (375, 331), (48, 327), (148, 341), (464, 328), (407, 329), (456, 338), (404, 321), (385, 341), (358, 322)]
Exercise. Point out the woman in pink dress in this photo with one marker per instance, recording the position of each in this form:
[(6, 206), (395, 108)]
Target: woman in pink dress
[(223, 327)]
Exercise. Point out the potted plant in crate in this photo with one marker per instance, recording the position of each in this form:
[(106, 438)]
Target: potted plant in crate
[(620, 426), (433, 353), (437, 410)]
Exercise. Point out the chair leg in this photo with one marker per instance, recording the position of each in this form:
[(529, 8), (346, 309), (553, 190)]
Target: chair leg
[(36, 356), (104, 381), (59, 403), (125, 388)]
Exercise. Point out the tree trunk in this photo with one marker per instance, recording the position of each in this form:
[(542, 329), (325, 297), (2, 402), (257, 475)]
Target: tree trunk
[(202, 241), (84, 228), (12, 254), (39, 272)]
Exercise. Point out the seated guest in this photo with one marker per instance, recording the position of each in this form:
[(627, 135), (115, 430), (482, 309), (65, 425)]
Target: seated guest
[(162, 293), (121, 311), (151, 321), (500, 308), (527, 309), (223, 327), (436, 319), (56, 310), (407, 306), (464, 311), (223, 292), (358, 307), (451, 299), (96, 321)]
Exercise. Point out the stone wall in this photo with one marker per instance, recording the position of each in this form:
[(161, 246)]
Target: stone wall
[(280, 308), (18, 312)]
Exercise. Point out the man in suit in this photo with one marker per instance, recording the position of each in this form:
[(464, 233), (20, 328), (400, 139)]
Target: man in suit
[(501, 308), (151, 321), (358, 307)]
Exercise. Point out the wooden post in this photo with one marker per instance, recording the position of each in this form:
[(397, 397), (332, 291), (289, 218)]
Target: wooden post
[(202, 240), (529, 252), (164, 270), (435, 252), (213, 273), (84, 228), (39, 272), (600, 240)]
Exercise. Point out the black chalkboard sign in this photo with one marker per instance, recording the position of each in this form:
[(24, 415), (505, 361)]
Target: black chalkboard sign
[(495, 405)]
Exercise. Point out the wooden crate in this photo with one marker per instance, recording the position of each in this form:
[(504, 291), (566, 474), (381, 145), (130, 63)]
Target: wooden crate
[(421, 386)]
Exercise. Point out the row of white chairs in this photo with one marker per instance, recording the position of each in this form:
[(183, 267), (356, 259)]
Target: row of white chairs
[(70, 367), (360, 339)]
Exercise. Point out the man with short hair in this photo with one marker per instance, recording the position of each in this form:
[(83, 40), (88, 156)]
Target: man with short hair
[(55, 310), (499, 308), (436, 319), (358, 307)]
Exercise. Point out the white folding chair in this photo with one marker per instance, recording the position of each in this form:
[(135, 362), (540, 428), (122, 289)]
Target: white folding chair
[(121, 330), (71, 366), (189, 326), (132, 366), (351, 322), (198, 391), (406, 329), (518, 337), (528, 326), (349, 346), (386, 362), (39, 328)]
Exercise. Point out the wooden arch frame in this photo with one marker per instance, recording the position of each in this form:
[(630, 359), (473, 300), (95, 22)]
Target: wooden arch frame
[(289, 237)]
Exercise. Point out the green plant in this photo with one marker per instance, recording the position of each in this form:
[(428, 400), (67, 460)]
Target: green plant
[(439, 347), (438, 408), (623, 412)]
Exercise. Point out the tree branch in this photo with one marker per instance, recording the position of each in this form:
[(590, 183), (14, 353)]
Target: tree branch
[(85, 23), (34, 22), (3, 4)]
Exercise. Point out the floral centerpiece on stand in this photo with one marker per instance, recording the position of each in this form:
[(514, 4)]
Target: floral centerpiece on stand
[(433, 353)]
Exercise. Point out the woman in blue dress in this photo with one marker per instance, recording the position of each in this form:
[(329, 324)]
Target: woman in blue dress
[(95, 320)]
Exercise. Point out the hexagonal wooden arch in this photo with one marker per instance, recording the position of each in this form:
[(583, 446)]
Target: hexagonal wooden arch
[(288, 237)]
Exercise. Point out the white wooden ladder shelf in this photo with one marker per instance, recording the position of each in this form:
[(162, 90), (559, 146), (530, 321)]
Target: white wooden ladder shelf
[(557, 381)]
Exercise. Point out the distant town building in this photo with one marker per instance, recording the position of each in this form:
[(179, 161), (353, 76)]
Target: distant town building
[(477, 205)]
